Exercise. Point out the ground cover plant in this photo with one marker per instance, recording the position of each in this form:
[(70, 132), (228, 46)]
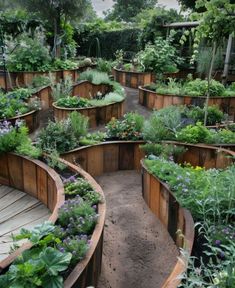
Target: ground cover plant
[(209, 195)]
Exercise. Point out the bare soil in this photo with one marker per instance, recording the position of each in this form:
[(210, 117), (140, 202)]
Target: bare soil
[(138, 251)]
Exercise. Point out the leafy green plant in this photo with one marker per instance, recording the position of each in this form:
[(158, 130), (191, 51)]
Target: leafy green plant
[(167, 151), (57, 136), (193, 134), (130, 128), (197, 114), (40, 81), (37, 269), (73, 102), (53, 159), (159, 57), (79, 124), (104, 66), (95, 77), (62, 89)]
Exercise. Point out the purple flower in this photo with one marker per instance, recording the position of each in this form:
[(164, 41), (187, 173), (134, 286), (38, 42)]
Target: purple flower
[(217, 242)]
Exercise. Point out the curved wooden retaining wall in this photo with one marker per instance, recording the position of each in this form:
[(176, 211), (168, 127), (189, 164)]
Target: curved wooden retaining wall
[(97, 115), (177, 220), (126, 155), (31, 120), (88, 90), (153, 100), (37, 179), (132, 79)]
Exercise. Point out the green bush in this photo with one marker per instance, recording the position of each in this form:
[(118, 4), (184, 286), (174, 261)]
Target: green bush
[(193, 134), (159, 57), (128, 128)]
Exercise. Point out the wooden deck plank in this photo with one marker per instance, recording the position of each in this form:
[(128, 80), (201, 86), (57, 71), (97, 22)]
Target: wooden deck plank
[(18, 210), (10, 198), (4, 190)]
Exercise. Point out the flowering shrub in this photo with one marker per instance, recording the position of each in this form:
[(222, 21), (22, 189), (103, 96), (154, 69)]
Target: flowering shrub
[(129, 128)]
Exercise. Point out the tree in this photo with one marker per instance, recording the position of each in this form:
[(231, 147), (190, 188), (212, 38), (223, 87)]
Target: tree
[(125, 10), (57, 13), (191, 4), (216, 23)]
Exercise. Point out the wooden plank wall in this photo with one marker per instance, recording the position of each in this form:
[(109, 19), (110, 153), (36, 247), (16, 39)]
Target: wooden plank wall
[(152, 100), (32, 177)]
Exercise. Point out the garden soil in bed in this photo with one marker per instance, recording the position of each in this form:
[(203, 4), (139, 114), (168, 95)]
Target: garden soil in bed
[(138, 251)]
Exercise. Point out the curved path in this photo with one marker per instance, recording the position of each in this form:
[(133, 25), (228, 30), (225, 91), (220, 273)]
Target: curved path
[(138, 251), (18, 210)]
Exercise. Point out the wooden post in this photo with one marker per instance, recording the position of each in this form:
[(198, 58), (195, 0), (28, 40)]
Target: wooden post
[(227, 59), (209, 82)]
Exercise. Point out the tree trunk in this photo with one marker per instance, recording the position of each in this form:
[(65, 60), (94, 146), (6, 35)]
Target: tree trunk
[(209, 82)]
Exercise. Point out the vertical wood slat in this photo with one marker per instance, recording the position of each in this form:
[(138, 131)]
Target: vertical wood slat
[(51, 196), (95, 161), (15, 171), (126, 157), (42, 185), (4, 174), (154, 204), (111, 158), (164, 206), (173, 212), (30, 177)]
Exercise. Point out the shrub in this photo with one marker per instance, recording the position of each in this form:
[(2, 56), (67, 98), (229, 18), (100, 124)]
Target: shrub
[(95, 77), (193, 134), (159, 57), (129, 128)]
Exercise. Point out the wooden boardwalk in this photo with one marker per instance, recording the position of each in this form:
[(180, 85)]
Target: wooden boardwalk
[(18, 210)]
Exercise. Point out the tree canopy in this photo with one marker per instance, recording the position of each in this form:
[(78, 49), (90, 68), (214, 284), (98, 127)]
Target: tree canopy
[(125, 10)]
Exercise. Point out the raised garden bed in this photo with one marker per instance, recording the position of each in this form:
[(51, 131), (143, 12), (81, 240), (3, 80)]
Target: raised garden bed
[(132, 79), (126, 155), (31, 120), (97, 115), (153, 100), (37, 179)]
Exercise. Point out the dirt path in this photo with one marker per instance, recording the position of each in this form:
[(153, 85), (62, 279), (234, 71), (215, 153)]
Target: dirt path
[(138, 252)]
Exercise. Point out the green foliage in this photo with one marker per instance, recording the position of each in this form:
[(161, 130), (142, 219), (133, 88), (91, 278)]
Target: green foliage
[(59, 64), (73, 102), (104, 66), (199, 87), (27, 148), (222, 136), (197, 114), (42, 270), (79, 124), (53, 159), (112, 36), (62, 136), (29, 55), (40, 81), (57, 136), (193, 134), (93, 138), (167, 151), (95, 77), (129, 128), (152, 20), (62, 89), (159, 57), (126, 10)]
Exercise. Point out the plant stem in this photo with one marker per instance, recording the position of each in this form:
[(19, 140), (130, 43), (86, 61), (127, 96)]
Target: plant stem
[(209, 82)]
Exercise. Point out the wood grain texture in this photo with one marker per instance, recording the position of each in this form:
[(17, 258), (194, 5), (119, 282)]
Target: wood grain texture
[(153, 100)]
